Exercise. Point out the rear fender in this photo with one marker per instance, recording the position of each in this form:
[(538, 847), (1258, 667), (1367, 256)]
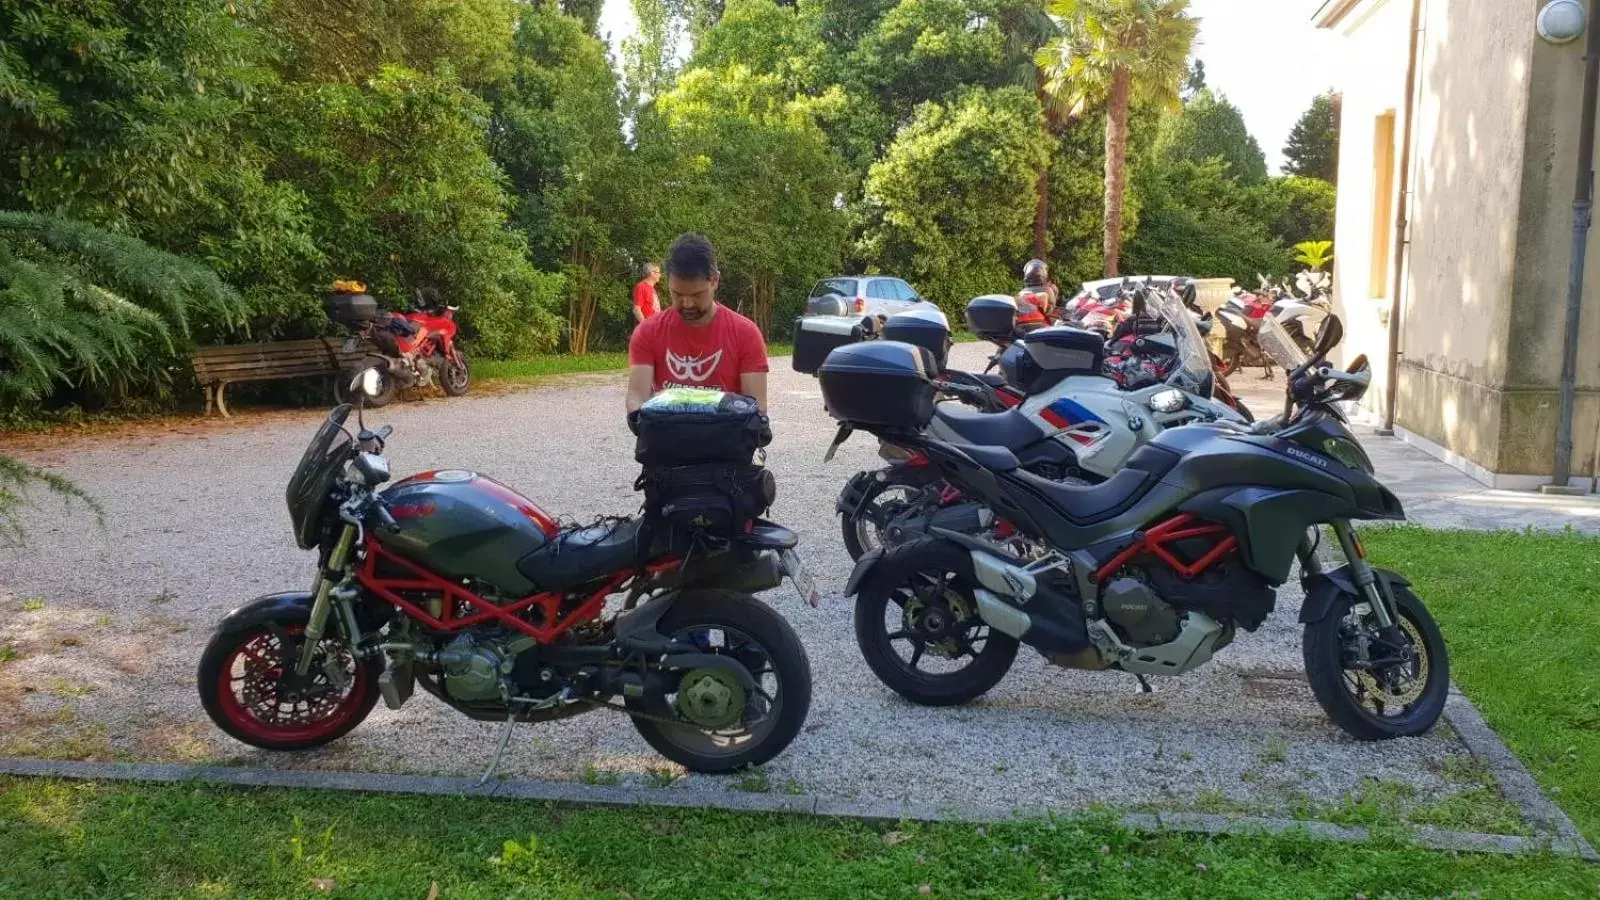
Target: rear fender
[(1325, 588), (864, 567), (640, 630), (865, 485)]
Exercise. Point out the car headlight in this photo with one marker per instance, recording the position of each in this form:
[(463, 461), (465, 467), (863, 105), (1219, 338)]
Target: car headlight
[(1169, 401)]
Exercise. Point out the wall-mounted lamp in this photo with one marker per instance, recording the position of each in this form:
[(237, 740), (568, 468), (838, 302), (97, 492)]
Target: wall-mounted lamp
[(1562, 21)]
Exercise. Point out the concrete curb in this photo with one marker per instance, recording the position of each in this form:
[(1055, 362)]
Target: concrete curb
[(888, 810), (1514, 779)]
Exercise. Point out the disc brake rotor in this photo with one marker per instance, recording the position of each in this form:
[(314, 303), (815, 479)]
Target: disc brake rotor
[(711, 698), (940, 624), (1396, 691)]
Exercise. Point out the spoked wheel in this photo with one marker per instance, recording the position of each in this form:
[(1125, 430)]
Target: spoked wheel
[(1373, 688), (454, 376), (918, 627), (717, 723), (867, 530), (248, 686)]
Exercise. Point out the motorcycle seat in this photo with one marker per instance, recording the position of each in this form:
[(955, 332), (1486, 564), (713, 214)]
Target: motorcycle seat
[(580, 555), (995, 459), (1011, 429), (1097, 503)]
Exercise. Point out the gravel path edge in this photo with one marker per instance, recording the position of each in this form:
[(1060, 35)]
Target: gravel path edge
[(892, 811)]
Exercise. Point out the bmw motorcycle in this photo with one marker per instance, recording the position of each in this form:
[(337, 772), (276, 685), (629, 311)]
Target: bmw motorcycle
[(1154, 571), (1076, 421), (452, 581)]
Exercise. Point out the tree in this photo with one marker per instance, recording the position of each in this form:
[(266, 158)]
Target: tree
[(1209, 126), (585, 11), (1294, 209), (1117, 52), (1196, 81), (1196, 220), (744, 162), (350, 41), (1313, 147), (952, 200), (403, 194), (557, 134)]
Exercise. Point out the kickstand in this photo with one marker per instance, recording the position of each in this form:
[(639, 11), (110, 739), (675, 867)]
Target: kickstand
[(500, 748), (1144, 685)]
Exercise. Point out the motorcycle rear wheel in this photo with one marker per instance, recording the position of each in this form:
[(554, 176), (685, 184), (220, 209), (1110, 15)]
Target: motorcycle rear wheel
[(767, 645), (1345, 693), (930, 582)]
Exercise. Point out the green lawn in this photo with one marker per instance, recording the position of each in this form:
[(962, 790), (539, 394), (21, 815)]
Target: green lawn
[(1521, 613), (87, 840)]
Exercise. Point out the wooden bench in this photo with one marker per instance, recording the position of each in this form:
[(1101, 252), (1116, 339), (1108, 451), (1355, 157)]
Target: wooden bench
[(219, 366)]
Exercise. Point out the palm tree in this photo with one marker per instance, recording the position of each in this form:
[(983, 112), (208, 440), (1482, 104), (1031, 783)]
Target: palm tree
[(1117, 52)]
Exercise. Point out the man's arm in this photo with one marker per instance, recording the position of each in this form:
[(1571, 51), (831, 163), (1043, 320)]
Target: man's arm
[(638, 314), (755, 384), (639, 380)]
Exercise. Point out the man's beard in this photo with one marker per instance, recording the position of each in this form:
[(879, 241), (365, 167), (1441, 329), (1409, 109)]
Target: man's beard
[(692, 315)]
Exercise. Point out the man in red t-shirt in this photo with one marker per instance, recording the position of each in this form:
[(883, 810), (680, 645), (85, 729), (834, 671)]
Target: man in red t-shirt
[(645, 304), (696, 342)]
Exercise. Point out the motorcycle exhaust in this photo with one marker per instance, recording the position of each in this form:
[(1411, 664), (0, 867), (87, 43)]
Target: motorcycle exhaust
[(1052, 622)]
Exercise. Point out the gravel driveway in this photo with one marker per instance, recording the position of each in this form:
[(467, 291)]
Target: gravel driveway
[(196, 525)]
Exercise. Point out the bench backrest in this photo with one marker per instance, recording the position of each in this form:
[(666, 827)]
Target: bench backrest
[(278, 359)]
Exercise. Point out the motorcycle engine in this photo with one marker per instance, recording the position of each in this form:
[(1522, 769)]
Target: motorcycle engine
[(477, 669), (1144, 619)]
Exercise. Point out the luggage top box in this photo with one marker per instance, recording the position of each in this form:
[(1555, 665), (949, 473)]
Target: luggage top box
[(817, 336), (925, 326), (880, 385), (992, 317)]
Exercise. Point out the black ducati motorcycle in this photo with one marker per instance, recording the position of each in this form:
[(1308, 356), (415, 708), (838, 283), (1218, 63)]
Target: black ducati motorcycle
[(1153, 571)]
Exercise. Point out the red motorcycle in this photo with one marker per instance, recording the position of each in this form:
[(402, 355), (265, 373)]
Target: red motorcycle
[(416, 349)]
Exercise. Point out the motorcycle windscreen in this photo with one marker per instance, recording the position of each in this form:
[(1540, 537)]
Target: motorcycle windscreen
[(1277, 343), (1193, 372)]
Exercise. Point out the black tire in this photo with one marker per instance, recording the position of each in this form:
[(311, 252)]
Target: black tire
[(1323, 647), (777, 639), (225, 710), (387, 388), (901, 567), (455, 376)]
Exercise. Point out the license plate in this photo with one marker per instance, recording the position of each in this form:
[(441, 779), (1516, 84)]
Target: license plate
[(350, 345), (804, 584)]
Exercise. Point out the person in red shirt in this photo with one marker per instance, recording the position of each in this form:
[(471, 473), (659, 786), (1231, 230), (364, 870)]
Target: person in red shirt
[(645, 304), (696, 342)]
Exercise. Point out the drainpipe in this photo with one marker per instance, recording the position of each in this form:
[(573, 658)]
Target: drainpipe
[(1402, 224), (1582, 207)]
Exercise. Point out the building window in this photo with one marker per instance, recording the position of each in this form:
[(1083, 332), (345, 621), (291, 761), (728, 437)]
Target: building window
[(1382, 203)]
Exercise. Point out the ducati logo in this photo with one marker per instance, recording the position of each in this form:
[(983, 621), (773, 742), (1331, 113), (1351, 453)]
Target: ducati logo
[(692, 369)]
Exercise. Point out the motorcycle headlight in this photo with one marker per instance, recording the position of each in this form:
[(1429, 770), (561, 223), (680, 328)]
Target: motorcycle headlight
[(1169, 401)]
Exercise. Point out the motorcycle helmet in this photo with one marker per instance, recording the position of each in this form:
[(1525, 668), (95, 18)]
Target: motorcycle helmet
[(1035, 273)]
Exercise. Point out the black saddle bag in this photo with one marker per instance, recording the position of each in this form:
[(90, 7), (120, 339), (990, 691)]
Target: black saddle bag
[(688, 427), (717, 499)]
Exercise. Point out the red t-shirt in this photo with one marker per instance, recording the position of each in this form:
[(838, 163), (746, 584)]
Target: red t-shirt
[(712, 356), (644, 299)]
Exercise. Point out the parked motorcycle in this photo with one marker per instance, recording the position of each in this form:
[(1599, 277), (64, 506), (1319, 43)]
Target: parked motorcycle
[(1302, 312), (451, 580), (1075, 424), (1240, 318), (1154, 571), (416, 349)]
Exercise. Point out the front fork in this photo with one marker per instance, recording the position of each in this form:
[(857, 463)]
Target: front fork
[(1366, 580), (322, 588)]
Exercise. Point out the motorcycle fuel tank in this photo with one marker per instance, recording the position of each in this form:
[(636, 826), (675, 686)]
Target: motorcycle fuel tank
[(460, 524)]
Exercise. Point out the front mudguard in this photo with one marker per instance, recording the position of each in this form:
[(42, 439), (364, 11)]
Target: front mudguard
[(284, 608), (1324, 589)]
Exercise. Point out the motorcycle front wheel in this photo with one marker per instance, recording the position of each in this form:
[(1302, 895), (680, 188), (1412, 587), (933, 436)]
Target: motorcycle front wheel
[(716, 724), (1373, 702), (454, 375), (388, 388), (249, 688)]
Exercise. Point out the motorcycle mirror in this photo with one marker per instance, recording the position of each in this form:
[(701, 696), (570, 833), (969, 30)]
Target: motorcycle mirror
[(1329, 335)]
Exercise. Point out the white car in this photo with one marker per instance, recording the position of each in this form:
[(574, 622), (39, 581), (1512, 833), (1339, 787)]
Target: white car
[(873, 295)]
